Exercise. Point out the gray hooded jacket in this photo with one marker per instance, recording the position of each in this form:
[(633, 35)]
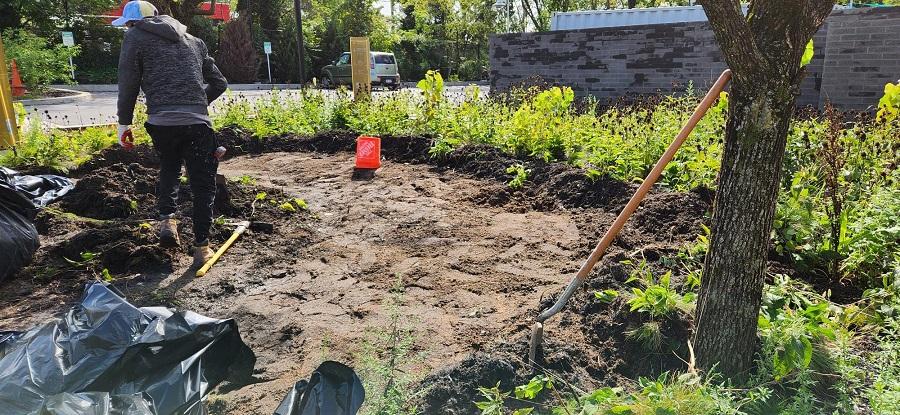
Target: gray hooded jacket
[(170, 66)]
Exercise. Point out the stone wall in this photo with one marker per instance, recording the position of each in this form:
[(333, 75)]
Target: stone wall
[(853, 59)]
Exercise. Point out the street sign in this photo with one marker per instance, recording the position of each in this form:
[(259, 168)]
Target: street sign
[(360, 59), (68, 39), (267, 47)]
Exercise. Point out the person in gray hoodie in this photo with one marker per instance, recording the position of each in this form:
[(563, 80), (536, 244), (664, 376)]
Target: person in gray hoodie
[(171, 67)]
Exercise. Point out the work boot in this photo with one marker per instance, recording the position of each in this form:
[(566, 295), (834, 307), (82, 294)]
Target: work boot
[(202, 254), (168, 232)]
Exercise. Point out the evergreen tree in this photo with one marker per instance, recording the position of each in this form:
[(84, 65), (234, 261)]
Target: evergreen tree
[(238, 59)]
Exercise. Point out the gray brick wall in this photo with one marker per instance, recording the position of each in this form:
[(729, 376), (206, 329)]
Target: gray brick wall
[(862, 54), (854, 58)]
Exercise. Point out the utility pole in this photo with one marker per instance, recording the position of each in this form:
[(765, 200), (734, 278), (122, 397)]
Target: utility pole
[(298, 14), (68, 16)]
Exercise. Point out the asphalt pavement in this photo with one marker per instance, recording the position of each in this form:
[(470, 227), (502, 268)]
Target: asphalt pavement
[(100, 108)]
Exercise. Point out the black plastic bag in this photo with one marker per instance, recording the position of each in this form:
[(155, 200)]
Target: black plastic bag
[(41, 189), (18, 236), (107, 357), (20, 196), (333, 389)]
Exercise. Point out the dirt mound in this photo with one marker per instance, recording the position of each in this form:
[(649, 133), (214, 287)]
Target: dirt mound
[(115, 191), (105, 227), (142, 155), (668, 215), (121, 249), (549, 185), (615, 332), (238, 142), (408, 149), (454, 389)]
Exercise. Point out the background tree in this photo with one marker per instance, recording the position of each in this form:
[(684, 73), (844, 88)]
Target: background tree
[(238, 59), (183, 10), (46, 18), (763, 50)]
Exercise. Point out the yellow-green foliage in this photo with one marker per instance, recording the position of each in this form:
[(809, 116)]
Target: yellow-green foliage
[(56, 149)]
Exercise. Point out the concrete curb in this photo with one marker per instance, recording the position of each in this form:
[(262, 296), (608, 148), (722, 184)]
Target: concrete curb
[(78, 96)]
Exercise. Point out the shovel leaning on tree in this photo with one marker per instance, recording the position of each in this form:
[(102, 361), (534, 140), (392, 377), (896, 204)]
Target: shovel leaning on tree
[(537, 330)]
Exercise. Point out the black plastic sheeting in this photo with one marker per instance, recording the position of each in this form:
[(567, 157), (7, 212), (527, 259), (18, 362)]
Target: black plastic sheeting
[(108, 357), (333, 389), (18, 236), (41, 189), (20, 197)]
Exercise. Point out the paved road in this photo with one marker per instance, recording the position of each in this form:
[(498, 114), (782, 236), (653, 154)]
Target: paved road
[(101, 107)]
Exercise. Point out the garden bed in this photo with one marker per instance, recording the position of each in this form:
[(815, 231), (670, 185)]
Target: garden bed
[(475, 259), (428, 277)]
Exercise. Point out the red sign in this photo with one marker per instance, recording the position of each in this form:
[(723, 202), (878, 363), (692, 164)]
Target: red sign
[(221, 13)]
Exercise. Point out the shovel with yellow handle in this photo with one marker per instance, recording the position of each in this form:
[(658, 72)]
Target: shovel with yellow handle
[(242, 227)]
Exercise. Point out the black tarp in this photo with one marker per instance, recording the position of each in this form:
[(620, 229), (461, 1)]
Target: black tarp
[(18, 236), (20, 197), (333, 389), (41, 189), (108, 357)]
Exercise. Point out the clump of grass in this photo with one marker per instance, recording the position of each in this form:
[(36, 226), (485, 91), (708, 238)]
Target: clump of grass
[(386, 359)]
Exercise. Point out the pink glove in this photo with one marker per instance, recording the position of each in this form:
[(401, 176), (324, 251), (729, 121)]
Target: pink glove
[(126, 138)]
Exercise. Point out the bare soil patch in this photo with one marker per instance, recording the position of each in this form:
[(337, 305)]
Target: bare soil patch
[(477, 261)]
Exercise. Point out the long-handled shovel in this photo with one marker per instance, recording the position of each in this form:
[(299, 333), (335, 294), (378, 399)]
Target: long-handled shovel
[(242, 227), (537, 329)]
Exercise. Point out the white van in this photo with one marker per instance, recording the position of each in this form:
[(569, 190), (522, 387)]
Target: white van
[(383, 71)]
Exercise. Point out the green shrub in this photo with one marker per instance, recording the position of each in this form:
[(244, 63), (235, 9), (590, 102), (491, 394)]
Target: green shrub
[(39, 63), (55, 149)]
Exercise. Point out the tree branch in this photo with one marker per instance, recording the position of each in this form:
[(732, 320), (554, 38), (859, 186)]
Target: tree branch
[(783, 28), (734, 37)]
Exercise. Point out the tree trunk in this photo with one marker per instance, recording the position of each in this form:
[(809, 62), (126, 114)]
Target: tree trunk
[(632, 4), (764, 55), (734, 271)]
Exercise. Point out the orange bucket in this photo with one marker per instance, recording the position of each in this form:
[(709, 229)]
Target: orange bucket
[(368, 152)]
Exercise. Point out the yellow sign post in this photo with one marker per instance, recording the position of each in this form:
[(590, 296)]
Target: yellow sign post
[(8, 129), (359, 61)]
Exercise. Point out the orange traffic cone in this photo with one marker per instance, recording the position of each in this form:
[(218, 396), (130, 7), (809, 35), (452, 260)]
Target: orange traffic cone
[(18, 88)]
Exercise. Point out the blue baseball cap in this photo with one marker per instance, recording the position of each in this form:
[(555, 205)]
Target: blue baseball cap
[(135, 10)]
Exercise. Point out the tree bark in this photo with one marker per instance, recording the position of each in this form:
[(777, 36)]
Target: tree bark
[(734, 271), (763, 52)]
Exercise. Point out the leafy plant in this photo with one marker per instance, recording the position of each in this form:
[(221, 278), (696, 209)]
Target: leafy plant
[(432, 88), (287, 207), (494, 400), (39, 63), (657, 297), (245, 179), (791, 324), (889, 104), (531, 389), (606, 296), (520, 175)]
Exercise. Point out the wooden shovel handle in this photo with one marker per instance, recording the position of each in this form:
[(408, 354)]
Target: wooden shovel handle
[(638, 197)]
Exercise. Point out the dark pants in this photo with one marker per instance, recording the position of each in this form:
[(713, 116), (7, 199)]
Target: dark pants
[(194, 146)]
